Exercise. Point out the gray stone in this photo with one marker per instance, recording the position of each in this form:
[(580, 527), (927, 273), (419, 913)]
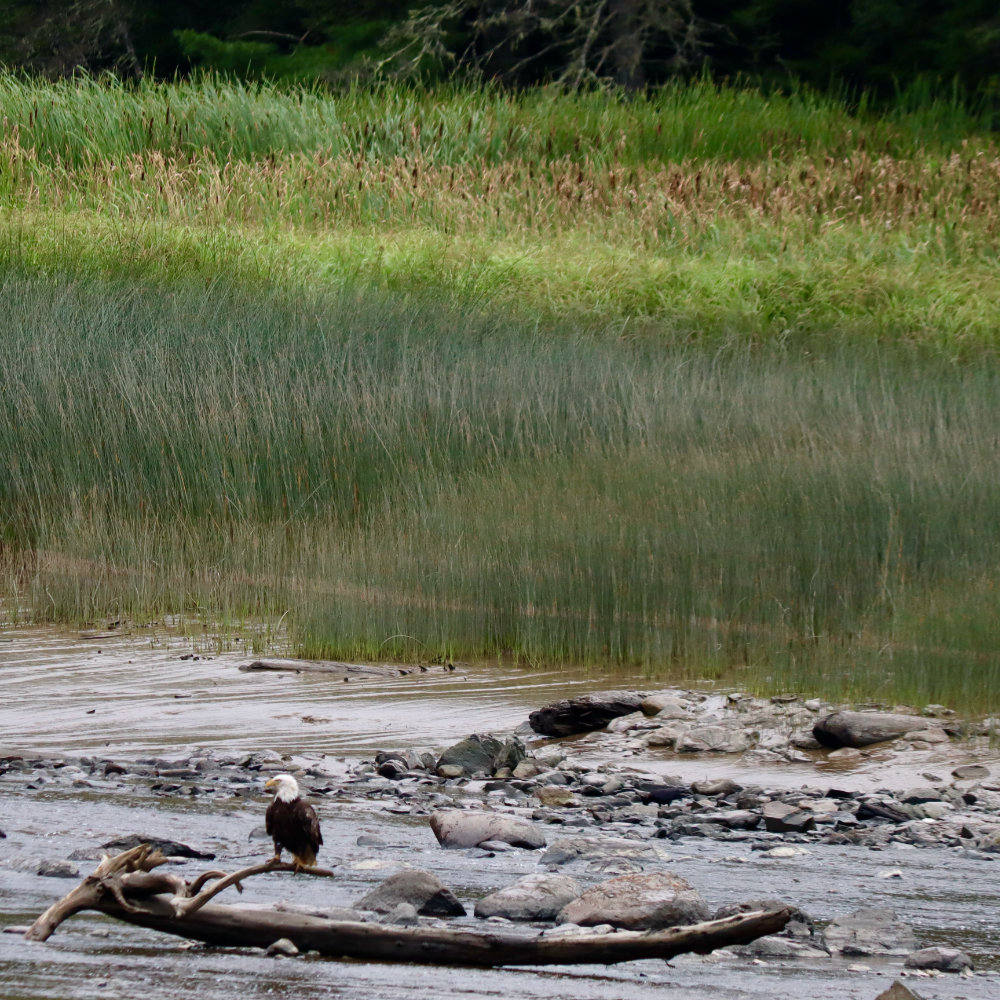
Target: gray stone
[(57, 869), (282, 948), (712, 739), (666, 706), (651, 901), (861, 729), (422, 890), (970, 772), (898, 992), (555, 796), (780, 817), (482, 755), (716, 787), (467, 828), (403, 915), (917, 795), (941, 959), (533, 897), (774, 946), (584, 714), (568, 849), (869, 931)]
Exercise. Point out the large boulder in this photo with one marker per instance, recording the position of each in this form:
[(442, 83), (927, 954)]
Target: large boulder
[(870, 931), (483, 755), (651, 901), (861, 729), (533, 897), (468, 828), (583, 714), (424, 891)]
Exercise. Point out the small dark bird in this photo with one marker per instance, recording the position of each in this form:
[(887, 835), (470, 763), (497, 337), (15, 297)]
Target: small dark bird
[(292, 823)]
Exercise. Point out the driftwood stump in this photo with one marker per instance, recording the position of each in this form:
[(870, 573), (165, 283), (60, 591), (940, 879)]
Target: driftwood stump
[(126, 887)]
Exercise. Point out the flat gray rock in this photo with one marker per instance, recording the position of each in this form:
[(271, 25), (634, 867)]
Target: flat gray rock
[(422, 890), (468, 828), (712, 739), (870, 931), (940, 959), (651, 901), (568, 849), (533, 897)]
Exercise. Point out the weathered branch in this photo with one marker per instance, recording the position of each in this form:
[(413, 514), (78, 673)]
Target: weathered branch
[(195, 900), (168, 905)]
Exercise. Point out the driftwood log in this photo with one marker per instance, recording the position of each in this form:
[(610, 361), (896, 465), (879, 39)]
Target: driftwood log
[(126, 887)]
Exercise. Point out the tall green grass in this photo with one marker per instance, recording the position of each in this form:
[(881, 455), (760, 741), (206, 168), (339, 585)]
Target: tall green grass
[(76, 123), (403, 480)]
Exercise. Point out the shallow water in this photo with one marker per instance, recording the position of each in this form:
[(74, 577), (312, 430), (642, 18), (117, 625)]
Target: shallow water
[(50, 680)]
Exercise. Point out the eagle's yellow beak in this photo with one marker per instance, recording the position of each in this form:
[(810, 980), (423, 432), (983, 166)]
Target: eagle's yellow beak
[(270, 783)]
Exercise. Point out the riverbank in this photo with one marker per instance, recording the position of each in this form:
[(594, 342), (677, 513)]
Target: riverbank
[(60, 807)]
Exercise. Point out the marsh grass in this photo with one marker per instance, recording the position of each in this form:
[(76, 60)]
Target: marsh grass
[(702, 382), (401, 480), (708, 212)]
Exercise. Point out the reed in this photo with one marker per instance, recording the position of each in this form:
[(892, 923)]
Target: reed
[(398, 480), (701, 382)]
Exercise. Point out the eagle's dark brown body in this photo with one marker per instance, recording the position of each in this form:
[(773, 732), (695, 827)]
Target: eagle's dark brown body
[(293, 825)]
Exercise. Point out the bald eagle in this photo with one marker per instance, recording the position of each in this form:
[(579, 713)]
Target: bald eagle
[(292, 823)]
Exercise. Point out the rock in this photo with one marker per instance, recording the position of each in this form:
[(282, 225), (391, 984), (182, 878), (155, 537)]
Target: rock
[(392, 769), (970, 772), (844, 753), (533, 897), (774, 946), (58, 869), (716, 787), (651, 901), (583, 714), (527, 769), (422, 890), (712, 739), (869, 931), (568, 849), (663, 736), (403, 915), (450, 771), (666, 706), (482, 755), (925, 794), (861, 729), (941, 959), (898, 992), (467, 828), (171, 848), (780, 817), (931, 734), (282, 948), (555, 796)]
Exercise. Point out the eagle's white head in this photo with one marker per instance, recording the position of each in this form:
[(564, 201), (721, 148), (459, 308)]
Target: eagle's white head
[(287, 787)]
